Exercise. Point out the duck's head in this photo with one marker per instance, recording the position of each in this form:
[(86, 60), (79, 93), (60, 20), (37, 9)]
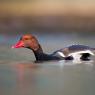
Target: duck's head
[(27, 41)]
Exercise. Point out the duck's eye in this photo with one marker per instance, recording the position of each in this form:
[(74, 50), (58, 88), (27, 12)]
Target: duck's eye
[(26, 39)]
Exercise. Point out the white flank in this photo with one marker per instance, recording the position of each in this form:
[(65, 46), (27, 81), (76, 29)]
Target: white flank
[(61, 54), (84, 51), (77, 55)]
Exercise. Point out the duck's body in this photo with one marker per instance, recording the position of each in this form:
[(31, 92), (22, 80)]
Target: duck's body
[(68, 53), (76, 52), (40, 56)]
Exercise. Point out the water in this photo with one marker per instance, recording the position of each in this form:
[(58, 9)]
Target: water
[(19, 75)]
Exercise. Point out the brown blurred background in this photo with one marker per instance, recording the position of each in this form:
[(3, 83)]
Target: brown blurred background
[(63, 15)]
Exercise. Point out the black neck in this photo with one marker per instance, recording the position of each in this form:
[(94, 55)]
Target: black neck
[(41, 56)]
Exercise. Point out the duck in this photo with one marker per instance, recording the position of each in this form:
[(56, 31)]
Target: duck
[(77, 52)]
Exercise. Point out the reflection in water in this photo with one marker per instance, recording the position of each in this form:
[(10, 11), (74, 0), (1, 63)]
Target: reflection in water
[(50, 78), (21, 67), (25, 82)]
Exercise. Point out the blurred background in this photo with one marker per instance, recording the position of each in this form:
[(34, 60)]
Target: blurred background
[(56, 23), (28, 15)]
